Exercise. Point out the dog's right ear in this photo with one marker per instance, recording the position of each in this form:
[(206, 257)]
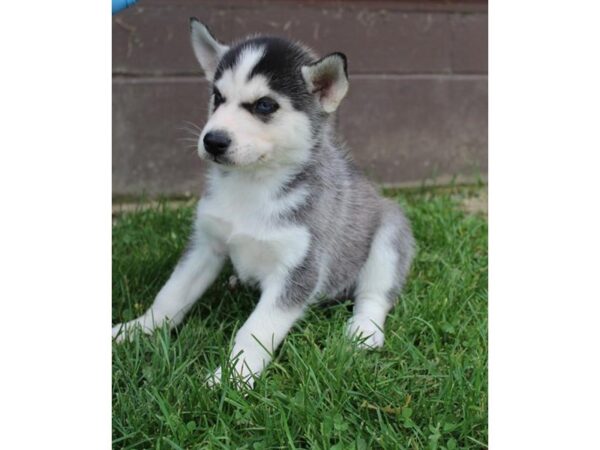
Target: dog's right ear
[(207, 49)]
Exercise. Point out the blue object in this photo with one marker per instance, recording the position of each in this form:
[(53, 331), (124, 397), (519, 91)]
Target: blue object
[(120, 5)]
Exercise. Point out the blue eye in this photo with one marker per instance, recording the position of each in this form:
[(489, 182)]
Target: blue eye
[(265, 106)]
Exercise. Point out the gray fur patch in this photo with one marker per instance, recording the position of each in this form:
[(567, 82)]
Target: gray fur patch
[(342, 211)]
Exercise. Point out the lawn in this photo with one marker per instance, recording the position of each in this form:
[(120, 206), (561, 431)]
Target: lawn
[(425, 389)]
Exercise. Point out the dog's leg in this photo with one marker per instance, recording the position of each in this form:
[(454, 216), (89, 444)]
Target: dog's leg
[(381, 278), (194, 273), (262, 333)]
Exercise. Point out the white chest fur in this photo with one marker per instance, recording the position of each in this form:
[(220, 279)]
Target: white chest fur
[(241, 213)]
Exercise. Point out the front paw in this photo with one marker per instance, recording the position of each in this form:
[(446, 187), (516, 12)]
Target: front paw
[(239, 377), (214, 379), (125, 331), (365, 332), (119, 333)]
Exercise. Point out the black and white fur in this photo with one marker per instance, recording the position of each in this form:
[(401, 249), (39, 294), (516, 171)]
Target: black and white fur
[(283, 201)]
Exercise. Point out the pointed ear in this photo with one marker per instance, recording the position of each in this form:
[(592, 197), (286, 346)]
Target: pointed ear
[(207, 49), (328, 80)]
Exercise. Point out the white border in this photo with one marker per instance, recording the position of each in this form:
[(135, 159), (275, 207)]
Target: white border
[(544, 224), (55, 173)]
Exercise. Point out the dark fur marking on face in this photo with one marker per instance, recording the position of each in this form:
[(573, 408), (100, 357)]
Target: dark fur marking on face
[(218, 98), (280, 65), (258, 110)]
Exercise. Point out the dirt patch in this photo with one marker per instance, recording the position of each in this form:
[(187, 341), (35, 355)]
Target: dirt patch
[(477, 203)]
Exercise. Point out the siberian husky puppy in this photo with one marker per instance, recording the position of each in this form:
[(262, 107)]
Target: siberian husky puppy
[(283, 201)]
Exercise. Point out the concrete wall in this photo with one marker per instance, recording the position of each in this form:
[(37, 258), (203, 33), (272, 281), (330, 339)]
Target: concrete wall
[(416, 110)]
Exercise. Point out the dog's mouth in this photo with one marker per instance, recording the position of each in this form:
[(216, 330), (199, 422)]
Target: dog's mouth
[(220, 159)]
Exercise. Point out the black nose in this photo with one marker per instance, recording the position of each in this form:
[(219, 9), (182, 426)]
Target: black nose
[(216, 142)]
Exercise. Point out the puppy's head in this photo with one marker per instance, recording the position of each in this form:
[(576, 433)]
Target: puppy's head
[(269, 98)]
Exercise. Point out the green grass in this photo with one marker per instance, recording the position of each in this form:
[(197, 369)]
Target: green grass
[(425, 389)]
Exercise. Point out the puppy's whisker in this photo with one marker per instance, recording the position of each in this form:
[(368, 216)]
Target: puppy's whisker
[(190, 147), (193, 133), (193, 125)]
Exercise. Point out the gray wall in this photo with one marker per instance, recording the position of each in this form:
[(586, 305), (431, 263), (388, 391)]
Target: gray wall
[(416, 110)]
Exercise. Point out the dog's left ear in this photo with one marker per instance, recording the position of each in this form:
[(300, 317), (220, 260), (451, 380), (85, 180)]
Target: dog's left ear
[(328, 80), (207, 49)]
